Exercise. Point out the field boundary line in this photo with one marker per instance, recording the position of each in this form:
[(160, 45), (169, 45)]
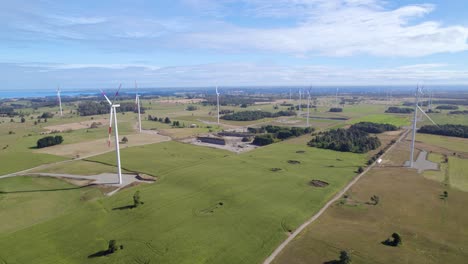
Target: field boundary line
[(337, 196)]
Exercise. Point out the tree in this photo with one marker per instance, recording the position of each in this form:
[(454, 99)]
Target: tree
[(167, 120), (375, 199), (124, 140), (136, 199), (360, 170), (112, 246), (23, 120), (344, 258), (396, 239), (49, 141)]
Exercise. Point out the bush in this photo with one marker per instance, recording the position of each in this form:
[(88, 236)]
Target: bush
[(124, 140), (23, 120), (336, 109), (49, 141), (263, 140), (360, 170), (191, 108), (46, 115), (136, 199), (112, 247)]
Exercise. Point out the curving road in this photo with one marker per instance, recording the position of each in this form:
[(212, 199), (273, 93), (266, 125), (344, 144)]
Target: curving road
[(328, 204)]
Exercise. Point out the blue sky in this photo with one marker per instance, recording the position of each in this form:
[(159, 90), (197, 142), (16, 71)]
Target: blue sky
[(89, 44)]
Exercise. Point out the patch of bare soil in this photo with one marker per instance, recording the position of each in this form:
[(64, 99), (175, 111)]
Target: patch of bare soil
[(76, 126), (94, 147), (145, 177), (318, 183)]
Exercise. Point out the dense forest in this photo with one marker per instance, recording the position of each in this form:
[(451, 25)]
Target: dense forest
[(49, 141), (235, 100), (446, 130), (88, 108), (346, 140), (447, 107), (459, 112), (399, 110), (370, 127), (277, 133), (255, 115)]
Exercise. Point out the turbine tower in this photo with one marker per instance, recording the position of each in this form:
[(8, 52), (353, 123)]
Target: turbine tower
[(300, 101), (59, 101), (217, 101), (415, 120), (308, 105), (113, 116), (137, 102)]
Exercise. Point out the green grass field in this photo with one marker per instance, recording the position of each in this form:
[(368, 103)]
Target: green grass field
[(182, 220), (451, 143), (439, 175), (397, 120), (458, 173)]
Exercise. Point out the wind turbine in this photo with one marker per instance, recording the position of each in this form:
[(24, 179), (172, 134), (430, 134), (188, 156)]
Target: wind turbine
[(336, 98), (113, 115), (415, 120), (300, 101), (137, 102), (308, 106), (217, 101), (59, 100)]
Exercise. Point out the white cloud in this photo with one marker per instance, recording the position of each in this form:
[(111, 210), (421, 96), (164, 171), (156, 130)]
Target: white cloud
[(231, 74), (340, 28)]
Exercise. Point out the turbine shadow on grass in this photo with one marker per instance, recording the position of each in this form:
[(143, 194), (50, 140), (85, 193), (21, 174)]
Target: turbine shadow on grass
[(124, 207), (101, 253), (49, 190)]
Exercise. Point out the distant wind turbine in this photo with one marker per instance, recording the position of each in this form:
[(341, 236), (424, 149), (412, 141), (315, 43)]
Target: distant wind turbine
[(217, 101), (308, 105), (59, 100), (137, 102), (113, 116)]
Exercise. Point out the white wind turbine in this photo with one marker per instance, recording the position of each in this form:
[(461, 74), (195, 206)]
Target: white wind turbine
[(137, 102), (308, 106), (113, 115), (217, 101), (59, 100), (300, 101), (415, 120)]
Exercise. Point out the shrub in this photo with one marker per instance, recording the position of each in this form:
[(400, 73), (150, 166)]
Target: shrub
[(124, 140), (49, 141), (136, 199), (336, 109), (46, 115), (360, 170), (262, 140), (112, 246), (23, 120), (191, 108)]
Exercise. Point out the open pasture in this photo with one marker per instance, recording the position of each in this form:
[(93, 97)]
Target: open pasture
[(204, 202), (432, 228)]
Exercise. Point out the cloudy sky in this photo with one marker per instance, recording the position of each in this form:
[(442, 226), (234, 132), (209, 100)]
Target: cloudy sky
[(89, 44)]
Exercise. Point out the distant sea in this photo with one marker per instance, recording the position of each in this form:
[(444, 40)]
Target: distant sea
[(35, 93), (41, 93)]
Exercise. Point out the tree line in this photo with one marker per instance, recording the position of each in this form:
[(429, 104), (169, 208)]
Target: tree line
[(336, 109), (399, 110), (376, 128), (446, 130), (88, 108), (346, 140), (255, 115), (277, 133), (459, 112), (447, 107)]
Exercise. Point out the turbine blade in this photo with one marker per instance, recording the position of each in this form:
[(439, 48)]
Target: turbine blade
[(110, 103), (420, 109), (117, 93)]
